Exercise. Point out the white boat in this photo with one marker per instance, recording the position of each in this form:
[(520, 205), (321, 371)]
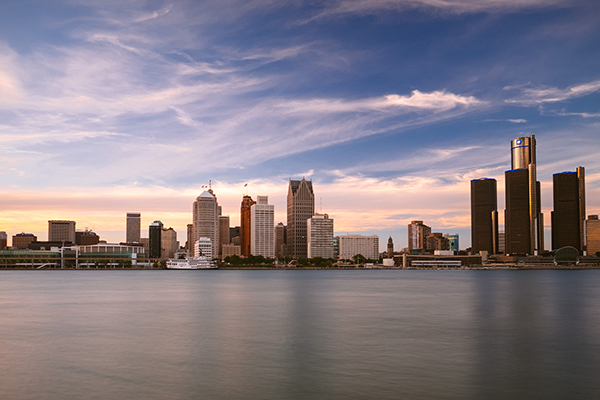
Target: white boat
[(191, 263)]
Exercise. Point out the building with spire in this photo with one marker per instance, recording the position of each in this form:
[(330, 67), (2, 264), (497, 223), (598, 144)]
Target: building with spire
[(300, 207), (568, 217), (390, 248)]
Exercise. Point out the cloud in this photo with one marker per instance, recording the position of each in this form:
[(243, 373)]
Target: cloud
[(535, 96), (366, 7), (154, 14)]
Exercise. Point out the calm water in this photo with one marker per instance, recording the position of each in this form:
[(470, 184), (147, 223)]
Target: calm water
[(299, 334)]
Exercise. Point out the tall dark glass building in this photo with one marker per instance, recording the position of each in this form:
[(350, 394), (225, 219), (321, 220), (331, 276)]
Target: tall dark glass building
[(524, 223), (568, 217), (154, 239), (484, 216)]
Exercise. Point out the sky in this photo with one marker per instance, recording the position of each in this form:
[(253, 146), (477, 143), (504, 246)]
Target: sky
[(390, 107)]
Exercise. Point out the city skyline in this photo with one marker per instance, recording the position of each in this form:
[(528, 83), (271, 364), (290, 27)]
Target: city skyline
[(386, 106)]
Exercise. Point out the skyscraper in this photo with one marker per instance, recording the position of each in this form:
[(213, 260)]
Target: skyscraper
[(262, 240), (245, 225), (300, 207), (154, 239), (133, 234), (223, 232), (390, 248), (417, 236), (319, 229), (280, 239), (206, 219), (524, 223), (168, 243), (568, 217), (61, 231), (484, 216)]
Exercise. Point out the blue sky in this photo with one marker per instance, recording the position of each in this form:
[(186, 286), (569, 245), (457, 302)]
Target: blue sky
[(390, 107)]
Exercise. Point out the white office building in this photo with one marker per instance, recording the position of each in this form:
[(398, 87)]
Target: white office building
[(203, 247), (319, 229), (351, 245), (262, 222)]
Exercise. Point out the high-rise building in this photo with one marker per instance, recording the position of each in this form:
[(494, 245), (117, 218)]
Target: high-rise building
[(155, 240), (417, 236), (319, 229), (300, 207), (134, 226), (390, 248), (280, 239), (262, 240), (246, 225), (484, 216), (168, 243), (223, 232), (524, 223), (189, 243), (351, 245), (206, 219), (61, 231), (3, 240), (593, 235), (568, 217)]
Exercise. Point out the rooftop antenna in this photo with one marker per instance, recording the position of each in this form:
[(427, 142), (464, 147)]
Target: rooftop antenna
[(320, 205)]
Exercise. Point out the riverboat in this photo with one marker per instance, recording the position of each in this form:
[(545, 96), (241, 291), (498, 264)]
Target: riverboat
[(191, 263)]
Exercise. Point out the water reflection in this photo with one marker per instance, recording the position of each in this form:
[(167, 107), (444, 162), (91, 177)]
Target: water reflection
[(299, 334)]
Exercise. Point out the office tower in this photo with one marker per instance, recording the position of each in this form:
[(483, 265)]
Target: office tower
[(204, 247), (3, 240), (319, 229), (484, 216), (351, 245), (568, 217), (246, 225), (155, 240), (593, 235), (223, 232), (168, 243), (280, 239), (206, 219), (189, 243), (524, 223), (22, 240), (390, 248), (300, 207), (417, 236), (86, 238), (133, 234), (61, 231), (262, 240)]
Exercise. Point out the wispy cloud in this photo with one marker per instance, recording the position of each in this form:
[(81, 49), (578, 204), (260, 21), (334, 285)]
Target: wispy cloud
[(540, 95), (364, 7)]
